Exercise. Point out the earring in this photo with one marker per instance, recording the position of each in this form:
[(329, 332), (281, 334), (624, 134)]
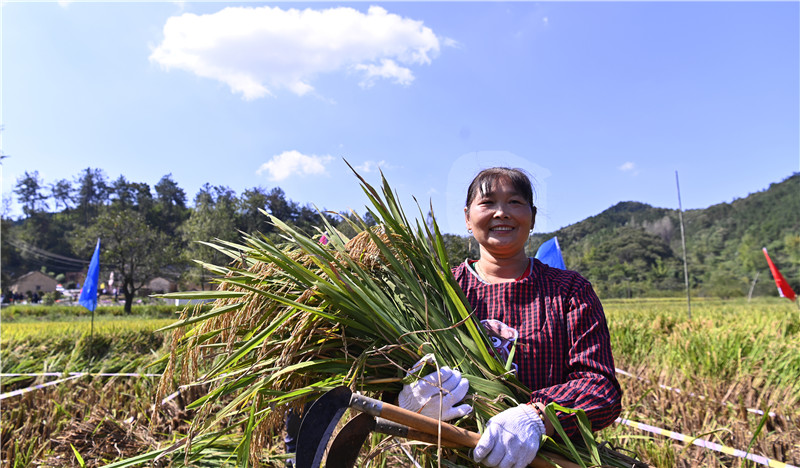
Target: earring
[(469, 231)]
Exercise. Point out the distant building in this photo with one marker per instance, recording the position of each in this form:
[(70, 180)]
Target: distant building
[(74, 276), (35, 282), (161, 285)]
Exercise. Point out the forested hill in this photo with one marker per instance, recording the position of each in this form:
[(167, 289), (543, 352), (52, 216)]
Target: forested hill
[(635, 249), (630, 249)]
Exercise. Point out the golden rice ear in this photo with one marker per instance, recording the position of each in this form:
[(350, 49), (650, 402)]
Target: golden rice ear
[(363, 250)]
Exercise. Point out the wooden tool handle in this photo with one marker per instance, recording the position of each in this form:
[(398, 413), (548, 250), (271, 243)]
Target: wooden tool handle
[(414, 420), (385, 426), (432, 426)]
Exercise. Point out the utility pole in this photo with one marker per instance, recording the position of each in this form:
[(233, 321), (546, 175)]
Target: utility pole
[(683, 244)]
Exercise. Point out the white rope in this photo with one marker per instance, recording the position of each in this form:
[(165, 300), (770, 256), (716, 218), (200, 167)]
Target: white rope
[(93, 374), (36, 387), (706, 444)]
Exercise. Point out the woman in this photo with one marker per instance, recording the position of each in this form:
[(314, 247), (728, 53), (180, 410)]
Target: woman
[(563, 350)]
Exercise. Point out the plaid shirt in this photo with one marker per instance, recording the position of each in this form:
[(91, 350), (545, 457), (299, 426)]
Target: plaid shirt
[(563, 350)]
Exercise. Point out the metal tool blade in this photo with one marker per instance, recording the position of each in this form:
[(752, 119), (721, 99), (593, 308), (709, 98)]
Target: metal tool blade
[(348, 442), (318, 424)]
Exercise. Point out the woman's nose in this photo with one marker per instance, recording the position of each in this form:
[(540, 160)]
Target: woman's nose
[(501, 211)]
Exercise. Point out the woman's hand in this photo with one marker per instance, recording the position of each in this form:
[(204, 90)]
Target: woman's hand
[(511, 438), (436, 394)]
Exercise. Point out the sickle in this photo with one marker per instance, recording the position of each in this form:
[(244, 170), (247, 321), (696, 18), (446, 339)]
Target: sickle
[(345, 447), (323, 416)]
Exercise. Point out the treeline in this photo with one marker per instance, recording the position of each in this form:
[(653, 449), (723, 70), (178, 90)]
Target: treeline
[(629, 250), (633, 249), (146, 231)]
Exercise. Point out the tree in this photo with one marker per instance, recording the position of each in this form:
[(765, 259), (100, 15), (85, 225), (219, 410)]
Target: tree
[(250, 218), (29, 193), (342, 222), (791, 243), (8, 255), (279, 207), (129, 246), (92, 192), (213, 217), (749, 256), (62, 193), (307, 217), (457, 248), (6, 210), (143, 198), (37, 228), (136, 195), (123, 193), (170, 206)]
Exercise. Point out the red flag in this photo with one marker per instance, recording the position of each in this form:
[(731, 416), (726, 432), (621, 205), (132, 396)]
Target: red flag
[(783, 287)]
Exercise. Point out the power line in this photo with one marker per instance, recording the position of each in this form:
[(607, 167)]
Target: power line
[(54, 258)]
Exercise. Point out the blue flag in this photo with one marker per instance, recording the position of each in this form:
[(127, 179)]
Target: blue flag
[(549, 253), (88, 297)]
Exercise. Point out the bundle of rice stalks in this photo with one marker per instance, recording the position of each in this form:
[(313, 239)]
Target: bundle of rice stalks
[(297, 318)]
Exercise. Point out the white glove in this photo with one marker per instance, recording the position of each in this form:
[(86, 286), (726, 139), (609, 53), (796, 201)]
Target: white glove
[(511, 438), (426, 395)]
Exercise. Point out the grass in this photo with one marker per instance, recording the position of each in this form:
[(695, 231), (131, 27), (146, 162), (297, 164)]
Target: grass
[(726, 341), (28, 313), (120, 345), (732, 356), (93, 414), (104, 325), (735, 354)]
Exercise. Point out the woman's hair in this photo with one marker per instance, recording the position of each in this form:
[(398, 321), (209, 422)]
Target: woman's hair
[(486, 179)]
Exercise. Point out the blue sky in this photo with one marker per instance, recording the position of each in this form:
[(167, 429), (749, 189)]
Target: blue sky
[(600, 102)]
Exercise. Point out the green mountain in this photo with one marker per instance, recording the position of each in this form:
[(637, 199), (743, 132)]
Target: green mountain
[(630, 249), (634, 249)]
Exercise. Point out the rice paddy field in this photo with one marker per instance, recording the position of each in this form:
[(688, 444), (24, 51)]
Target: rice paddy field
[(695, 389)]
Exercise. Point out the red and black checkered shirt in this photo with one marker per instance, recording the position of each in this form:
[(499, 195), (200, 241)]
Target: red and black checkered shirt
[(563, 351)]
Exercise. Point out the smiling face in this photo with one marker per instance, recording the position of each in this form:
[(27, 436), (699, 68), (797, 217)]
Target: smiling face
[(500, 218)]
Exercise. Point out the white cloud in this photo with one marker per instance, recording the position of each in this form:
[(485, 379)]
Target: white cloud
[(387, 69), (257, 50), (629, 167), (448, 42), (370, 166), (289, 163)]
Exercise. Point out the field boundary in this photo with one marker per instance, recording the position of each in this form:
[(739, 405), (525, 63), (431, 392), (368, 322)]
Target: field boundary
[(705, 444), (23, 391), (72, 376), (641, 426)]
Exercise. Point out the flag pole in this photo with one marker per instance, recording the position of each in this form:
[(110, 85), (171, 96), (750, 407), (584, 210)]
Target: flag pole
[(683, 244), (752, 286)]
